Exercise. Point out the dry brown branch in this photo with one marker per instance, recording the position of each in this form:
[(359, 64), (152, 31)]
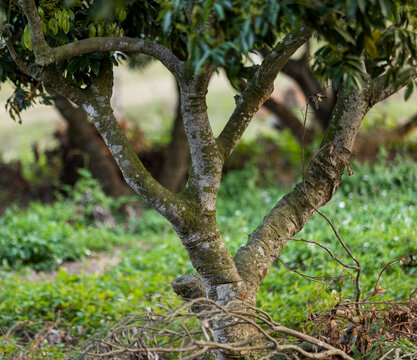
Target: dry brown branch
[(163, 332)]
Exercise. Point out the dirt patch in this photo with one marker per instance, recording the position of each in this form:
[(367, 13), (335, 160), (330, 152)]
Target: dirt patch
[(93, 265)]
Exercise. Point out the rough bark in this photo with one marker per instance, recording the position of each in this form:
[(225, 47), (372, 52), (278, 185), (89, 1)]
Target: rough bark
[(83, 136), (175, 166), (292, 212)]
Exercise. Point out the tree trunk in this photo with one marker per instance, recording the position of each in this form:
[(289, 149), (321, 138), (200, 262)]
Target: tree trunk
[(175, 166), (84, 136), (219, 282)]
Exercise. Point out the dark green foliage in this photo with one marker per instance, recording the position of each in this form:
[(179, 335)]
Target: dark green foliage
[(43, 236)]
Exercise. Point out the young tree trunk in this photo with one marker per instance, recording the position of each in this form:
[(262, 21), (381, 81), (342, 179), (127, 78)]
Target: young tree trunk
[(175, 166), (83, 136)]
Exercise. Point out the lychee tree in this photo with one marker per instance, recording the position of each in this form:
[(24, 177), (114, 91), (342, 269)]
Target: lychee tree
[(368, 52)]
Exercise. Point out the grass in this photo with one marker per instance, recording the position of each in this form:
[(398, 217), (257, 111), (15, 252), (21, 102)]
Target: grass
[(374, 212)]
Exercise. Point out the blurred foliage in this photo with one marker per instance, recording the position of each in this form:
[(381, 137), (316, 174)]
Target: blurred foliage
[(44, 236)]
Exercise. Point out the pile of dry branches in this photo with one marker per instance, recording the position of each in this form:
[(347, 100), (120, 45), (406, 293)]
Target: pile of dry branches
[(164, 333)]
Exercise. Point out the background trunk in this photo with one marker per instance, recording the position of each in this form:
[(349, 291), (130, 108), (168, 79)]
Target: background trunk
[(175, 167)]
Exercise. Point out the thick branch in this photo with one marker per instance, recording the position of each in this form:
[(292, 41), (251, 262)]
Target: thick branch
[(259, 89), (206, 159), (45, 55), (322, 179), (96, 102), (38, 39), (83, 135)]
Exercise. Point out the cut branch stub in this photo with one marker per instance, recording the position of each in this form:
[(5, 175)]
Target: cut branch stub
[(189, 287)]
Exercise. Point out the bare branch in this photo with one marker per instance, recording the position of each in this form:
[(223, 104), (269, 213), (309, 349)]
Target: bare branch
[(18, 61), (259, 88), (45, 55)]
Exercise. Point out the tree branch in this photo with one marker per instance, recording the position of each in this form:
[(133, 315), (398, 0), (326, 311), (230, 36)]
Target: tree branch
[(206, 159), (259, 89), (16, 58), (52, 78), (95, 100), (45, 55), (322, 179), (383, 89)]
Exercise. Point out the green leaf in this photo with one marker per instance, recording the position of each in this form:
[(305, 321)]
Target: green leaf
[(66, 24), (26, 39), (409, 90), (109, 29), (345, 35), (92, 31), (100, 30), (219, 10), (44, 27), (370, 47), (95, 67), (385, 7), (41, 12), (61, 19), (352, 6), (362, 5), (122, 15), (71, 14), (53, 25), (166, 21)]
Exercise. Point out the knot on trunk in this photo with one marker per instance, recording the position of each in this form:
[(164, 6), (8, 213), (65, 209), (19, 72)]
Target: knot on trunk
[(189, 287)]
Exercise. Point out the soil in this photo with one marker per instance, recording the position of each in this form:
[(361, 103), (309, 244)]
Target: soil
[(93, 265)]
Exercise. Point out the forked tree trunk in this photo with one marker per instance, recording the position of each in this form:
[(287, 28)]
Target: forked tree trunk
[(83, 136), (228, 280), (286, 219)]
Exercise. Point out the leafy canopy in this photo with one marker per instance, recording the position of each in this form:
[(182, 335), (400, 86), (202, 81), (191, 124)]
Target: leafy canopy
[(356, 36)]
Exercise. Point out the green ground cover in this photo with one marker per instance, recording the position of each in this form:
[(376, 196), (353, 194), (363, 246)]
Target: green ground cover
[(374, 212)]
